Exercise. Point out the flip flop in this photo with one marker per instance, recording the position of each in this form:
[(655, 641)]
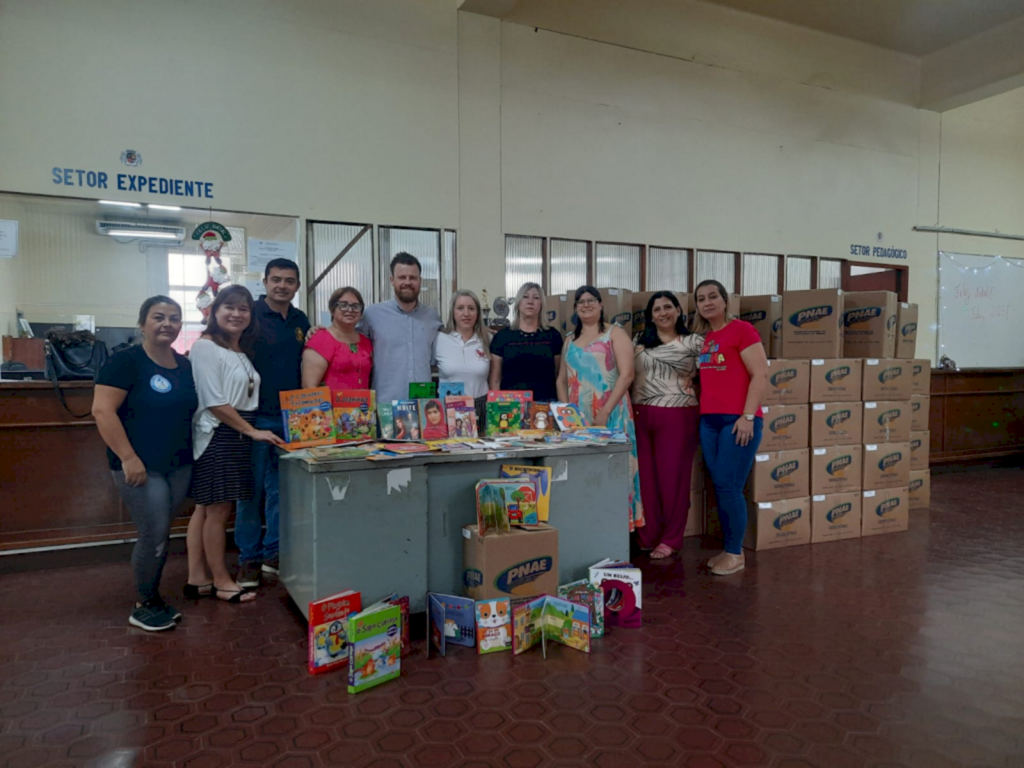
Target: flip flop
[(196, 591), (662, 552), (236, 596)]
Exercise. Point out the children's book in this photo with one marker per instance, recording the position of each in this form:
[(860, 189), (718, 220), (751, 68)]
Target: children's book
[(549, 618), (502, 400), (452, 620), (448, 388), (432, 422), (422, 389), (375, 647), (503, 503), (585, 593), (307, 417), (406, 414), (541, 477), (403, 606), (454, 445), (386, 421), (568, 416), (621, 584), (462, 421), (355, 415), (539, 417), (493, 625), (328, 630), (402, 449), (338, 452)]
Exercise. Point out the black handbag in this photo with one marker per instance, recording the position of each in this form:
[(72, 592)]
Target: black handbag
[(73, 356)]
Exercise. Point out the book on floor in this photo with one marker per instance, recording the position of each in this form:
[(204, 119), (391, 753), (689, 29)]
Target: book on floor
[(583, 592), (621, 584), (355, 415), (375, 647), (432, 419), (541, 477), (548, 618), (328, 630), (493, 625), (452, 620), (403, 606), (307, 417)]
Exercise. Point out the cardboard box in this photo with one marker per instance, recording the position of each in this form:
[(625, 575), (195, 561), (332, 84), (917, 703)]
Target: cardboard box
[(906, 331), (640, 300), (780, 475), (564, 313), (869, 324), (920, 377), (835, 517), (920, 489), (887, 379), (762, 312), (616, 302), (886, 465), (775, 524), (695, 519), (788, 383), (516, 564), (776, 350), (837, 424), (836, 381), (812, 324), (920, 448), (836, 469), (920, 407), (885, 511), (785, 427), (553, 312), (887, 421)]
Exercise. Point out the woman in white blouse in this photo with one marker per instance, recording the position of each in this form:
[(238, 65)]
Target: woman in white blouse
[(222, 433), (461, 349)]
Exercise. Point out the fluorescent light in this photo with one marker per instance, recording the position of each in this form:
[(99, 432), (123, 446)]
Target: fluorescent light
[(122, 204), (156, 207), (141, 234)]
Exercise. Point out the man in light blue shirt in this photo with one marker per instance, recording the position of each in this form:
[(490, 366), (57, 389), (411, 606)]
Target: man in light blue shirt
[(402, 331)]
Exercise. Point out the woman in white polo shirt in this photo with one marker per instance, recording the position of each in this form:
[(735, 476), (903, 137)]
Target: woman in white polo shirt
[(461, 349)]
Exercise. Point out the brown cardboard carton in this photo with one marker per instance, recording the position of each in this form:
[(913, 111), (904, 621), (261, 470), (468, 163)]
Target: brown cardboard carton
[(776, 350), (762, 312), (616, 302), (835, 517), (887, 379), (886, 421), (780, 475), (920, 489), (869, 324), (920, 377), (640, 300), (837, 424), (836, 381), (775, 524), (553, 312), (886, 465), (836, 469), (885, 511), (785, 427), (920, 447), (906, 331), (695, 520), (520, 563), (920, 405), (788, 382), (812, 324)]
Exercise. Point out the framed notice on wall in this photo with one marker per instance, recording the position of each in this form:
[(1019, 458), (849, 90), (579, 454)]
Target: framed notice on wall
[(261, 252), (8, 239)]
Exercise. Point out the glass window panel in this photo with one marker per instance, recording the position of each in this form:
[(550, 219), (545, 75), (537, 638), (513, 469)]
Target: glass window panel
[(798, 273), (524, 262), (716, 265), (568, 260), (618, 266), (760, 274), (668, 269), (830, 273), (325, 242), (448, 276)]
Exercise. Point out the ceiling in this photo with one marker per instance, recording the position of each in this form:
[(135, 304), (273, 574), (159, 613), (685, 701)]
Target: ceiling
[(916, 27)]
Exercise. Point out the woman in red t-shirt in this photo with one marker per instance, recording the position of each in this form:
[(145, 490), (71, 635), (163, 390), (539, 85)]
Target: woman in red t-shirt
[(340, 357), (733, 377)]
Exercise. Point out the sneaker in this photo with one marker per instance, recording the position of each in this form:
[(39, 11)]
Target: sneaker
[(272, 565), (159, 601), (151, 617), (248, 575)]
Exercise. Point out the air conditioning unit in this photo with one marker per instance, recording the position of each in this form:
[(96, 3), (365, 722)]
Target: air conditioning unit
[(131, 229)]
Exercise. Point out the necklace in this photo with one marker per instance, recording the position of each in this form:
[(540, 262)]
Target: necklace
[(249, 371)]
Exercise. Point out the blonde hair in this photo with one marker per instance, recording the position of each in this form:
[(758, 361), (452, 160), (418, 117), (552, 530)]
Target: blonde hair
[(701, 326), (541, 321), (479, 328)]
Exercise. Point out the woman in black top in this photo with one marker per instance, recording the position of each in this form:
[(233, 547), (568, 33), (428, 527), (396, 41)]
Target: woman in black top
[(525, 355), (143, 405)]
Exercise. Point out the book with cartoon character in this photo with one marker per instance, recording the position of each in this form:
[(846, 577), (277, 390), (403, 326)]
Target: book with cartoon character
[(403, 606), (541, 477), (503, 503), (548, 618), (493, 625), (406, 414), (447, 389), (432, 419), (307, 417), (620, 583), (583, 592), (506, 411), (328, 630), (452, 620), (375, 646), (540, 418), (568, 416), (355, 416), (461, 414)]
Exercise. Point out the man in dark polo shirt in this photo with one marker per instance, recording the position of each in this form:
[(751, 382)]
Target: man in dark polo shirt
[(282, 335)]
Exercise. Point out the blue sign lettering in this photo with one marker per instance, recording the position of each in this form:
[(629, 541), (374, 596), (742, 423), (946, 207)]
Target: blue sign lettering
[(128, 182)]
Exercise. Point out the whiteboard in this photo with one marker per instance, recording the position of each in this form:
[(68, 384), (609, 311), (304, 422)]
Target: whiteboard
[(980, 315)]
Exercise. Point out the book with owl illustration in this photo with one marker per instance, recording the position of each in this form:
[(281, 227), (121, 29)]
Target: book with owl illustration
[(308, 417), (452, 620), (549, 618), (328, 630), (541, 477), (507, 411), (375, 646), (493, 625), (355, 415)]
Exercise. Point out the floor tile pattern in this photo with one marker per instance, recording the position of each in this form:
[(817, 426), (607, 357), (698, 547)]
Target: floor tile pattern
[(900, 650)]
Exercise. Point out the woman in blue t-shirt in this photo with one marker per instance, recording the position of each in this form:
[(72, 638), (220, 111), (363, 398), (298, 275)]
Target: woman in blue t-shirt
[(143, 405)]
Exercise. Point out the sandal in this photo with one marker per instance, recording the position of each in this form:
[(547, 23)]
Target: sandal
[(236, 595), (196, 591), (662, 552)]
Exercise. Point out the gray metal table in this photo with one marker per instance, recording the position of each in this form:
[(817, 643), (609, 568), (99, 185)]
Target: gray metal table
[(396, 526)]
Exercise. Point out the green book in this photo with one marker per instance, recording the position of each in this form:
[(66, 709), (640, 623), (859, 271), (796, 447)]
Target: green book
[(422, 389), (375, 647)]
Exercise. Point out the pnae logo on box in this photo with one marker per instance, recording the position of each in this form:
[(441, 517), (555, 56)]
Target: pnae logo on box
[(787, 518), (785, 470), (838, 512), (810, 315), (523, 573)]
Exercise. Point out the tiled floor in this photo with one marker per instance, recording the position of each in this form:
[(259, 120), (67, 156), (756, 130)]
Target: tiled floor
[(894, 650)]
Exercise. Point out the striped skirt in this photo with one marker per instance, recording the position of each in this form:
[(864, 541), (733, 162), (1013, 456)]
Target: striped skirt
[(224, 472)]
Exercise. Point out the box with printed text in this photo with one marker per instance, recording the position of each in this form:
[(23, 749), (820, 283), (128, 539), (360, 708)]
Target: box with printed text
[(906, 331), (920, 376), (920, 448), (886, 465), (920, 405), (920, 489), (835, 517), (837, 424), (785, 427), (869, 324), (762, 312), (788, 383), (812, 324), (886, 421), (836, 381), (520, 563), (836, 469), (885, 511), (780, 475), (887, 379), (776, 524)]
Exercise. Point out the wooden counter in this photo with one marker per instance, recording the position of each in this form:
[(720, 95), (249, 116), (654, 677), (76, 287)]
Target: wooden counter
[(976, 413)]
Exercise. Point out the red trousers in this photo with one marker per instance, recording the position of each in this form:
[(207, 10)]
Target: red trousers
[(666, 441)]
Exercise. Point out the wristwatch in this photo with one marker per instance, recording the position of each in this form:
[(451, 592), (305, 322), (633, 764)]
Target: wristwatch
[(748, 416)]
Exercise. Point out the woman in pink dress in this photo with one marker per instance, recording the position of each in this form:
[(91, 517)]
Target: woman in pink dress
[(339, 357)]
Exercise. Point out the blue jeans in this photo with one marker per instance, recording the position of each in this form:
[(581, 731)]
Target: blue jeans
[(729, 465), (266, 484)]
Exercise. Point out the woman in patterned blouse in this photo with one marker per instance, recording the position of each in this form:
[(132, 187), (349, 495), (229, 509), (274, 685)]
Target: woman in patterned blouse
[(667, 422)]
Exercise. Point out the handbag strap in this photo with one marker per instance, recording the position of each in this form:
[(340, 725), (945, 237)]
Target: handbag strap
[(51, 372)]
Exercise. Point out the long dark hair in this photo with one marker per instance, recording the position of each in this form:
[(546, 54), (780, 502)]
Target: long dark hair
[(576, 300), (650, 339), (248, 339)]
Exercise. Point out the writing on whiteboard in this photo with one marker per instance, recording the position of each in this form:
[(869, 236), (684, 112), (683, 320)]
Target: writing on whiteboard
[(977, 302)]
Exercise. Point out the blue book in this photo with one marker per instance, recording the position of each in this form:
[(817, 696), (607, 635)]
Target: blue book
[(446, 388), (454, 619)]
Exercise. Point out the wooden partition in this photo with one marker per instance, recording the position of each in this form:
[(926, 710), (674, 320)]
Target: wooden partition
[(976, 414)]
